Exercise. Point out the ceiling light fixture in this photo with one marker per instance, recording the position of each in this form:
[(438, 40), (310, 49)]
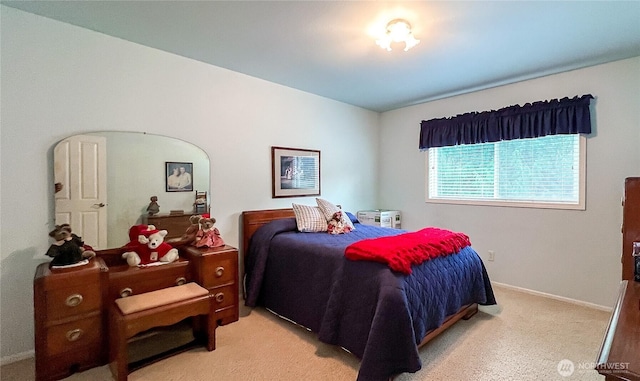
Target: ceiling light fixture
[(398, 30)]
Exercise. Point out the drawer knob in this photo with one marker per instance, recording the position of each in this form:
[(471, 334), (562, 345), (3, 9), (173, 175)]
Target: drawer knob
[(219, 271), (219, 297), (180, 281), (126, 292), (74, 300), (74, 334)]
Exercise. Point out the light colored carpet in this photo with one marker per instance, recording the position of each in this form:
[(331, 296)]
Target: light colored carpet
[(523, 338)]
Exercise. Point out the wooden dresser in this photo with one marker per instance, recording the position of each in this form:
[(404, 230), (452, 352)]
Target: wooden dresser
[(69, 311), (174, 224), (71, 305)]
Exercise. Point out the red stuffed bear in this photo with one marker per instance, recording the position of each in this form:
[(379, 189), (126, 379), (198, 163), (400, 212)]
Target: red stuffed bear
[(147, 247)]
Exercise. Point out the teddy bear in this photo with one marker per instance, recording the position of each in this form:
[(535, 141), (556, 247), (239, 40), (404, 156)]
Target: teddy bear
[(147, 247), (64, 250), (207, 235), (87, 251), (336, 224), (190, 234)]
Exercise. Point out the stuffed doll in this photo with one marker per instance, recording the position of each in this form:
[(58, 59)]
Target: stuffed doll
[(87, 251), (337, 225), (64, 250), (148, 248), (208, 235), (153, 207)]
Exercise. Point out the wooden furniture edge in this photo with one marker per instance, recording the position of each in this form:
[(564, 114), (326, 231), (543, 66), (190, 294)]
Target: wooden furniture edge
[(618, 353), (629, 226), (605, 349)]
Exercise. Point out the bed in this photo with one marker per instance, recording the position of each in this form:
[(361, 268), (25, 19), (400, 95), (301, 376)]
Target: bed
[(381, 316)]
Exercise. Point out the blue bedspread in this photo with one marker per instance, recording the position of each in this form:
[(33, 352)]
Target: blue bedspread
[(375, 313)]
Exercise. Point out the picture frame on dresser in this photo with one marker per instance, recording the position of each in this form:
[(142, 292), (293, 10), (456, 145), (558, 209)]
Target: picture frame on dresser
[(178, 176), (295, 172)]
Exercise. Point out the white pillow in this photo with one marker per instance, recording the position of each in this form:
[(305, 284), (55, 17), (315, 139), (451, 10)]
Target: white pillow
[(309, 218), (328, 209)]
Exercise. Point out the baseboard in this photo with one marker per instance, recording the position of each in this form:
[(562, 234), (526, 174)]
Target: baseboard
[(17, 357), (552, 296)]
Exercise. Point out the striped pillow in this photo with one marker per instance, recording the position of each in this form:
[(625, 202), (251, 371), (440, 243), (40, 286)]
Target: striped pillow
[(309, 218), (328, 209)]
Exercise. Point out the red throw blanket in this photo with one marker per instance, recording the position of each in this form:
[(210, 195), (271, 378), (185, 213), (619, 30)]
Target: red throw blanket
[(403, 250)]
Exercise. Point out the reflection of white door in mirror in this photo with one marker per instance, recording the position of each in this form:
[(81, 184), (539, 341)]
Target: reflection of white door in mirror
[(80, 167)]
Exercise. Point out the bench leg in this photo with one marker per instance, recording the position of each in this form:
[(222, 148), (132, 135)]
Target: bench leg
[(212, 324), (118, 359), (204, 328)]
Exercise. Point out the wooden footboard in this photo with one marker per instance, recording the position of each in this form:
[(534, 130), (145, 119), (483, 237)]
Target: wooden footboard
[(466, 312)]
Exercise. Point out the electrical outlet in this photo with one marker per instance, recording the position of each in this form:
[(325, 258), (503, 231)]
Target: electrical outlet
[(492, 255)]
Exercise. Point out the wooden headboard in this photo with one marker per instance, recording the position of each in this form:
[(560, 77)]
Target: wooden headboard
[(253, 219)]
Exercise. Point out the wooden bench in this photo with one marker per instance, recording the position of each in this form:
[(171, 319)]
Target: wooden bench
[(134, 314)]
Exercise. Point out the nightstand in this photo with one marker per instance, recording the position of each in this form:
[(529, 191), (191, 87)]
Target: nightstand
[(68, 314)]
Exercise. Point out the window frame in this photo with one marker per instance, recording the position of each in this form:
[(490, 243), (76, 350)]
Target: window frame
[(580, 205)]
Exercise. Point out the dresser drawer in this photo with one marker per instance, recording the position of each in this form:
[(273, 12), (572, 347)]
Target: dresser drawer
[(70, 301), (213, 267), (126, 281), (72, 336), (220, 270), (224, 297), (228, 315)]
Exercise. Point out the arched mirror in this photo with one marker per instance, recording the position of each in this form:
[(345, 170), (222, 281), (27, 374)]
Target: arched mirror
[(105, 180)]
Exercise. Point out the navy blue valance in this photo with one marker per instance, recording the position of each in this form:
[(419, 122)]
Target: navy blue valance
[(564, 116)]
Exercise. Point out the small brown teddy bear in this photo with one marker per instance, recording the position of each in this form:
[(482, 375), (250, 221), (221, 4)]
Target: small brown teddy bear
[(207, 235), (190, 234), (336, 224), (64, 251)]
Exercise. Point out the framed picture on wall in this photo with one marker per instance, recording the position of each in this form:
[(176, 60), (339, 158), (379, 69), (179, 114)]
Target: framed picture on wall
[(295, 172), (179, 176)]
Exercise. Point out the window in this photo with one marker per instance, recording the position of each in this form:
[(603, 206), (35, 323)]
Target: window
[(545, 172)]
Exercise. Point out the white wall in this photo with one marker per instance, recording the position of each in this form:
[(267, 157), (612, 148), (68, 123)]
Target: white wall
[(573, 254), (59, 80)]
